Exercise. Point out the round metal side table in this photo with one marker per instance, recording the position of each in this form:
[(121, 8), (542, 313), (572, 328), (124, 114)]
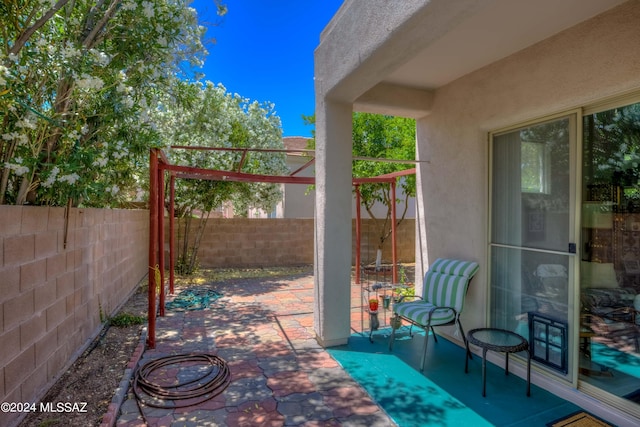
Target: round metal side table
[(502, 341)]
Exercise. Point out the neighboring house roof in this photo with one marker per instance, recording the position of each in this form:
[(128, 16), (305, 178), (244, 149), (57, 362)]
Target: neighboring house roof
[(295, 143)]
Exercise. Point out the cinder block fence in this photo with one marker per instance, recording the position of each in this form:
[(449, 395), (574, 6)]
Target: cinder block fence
[(261, 242), (59, 276), (62, 273)]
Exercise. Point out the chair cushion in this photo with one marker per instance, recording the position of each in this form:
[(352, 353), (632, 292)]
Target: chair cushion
[(445, 290), (418, 312), (455, 267)]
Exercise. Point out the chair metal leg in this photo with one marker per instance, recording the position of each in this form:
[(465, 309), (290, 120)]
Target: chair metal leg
[(424, 353), (464, 339), (393, 336), (433, 332)]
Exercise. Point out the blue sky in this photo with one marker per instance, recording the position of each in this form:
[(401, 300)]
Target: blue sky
[(264, 52)]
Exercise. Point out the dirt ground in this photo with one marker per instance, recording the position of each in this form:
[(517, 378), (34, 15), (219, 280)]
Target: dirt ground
[(94, 377)]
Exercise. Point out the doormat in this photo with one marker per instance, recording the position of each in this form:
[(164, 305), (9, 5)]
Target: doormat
[(634, 397), (579, 419)]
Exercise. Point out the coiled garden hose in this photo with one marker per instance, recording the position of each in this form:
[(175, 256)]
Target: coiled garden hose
[(195, 389)]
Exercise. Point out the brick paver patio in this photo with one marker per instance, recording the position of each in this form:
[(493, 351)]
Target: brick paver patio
[(279, 375)]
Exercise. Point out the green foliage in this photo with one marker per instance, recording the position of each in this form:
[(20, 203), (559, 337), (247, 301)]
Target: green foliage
[(405, 291), (612, 147), (79, 81), (384, 137), (205, 115), (124, 320), (187, 263)]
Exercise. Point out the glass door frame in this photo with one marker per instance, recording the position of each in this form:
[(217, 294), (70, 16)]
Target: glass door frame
[(621, 100), (575, 117)]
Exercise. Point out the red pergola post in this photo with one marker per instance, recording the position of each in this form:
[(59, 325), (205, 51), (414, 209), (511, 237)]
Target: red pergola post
[(172, 223), (153, 244), (161, 237), (358, 255), (394, 254)]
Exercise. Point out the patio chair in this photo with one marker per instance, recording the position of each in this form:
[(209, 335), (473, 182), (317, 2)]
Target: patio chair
[(445, 286)]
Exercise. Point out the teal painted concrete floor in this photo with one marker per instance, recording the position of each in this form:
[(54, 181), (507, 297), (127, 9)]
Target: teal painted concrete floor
[(443, 395)]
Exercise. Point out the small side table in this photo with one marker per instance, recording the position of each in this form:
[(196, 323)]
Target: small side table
[(499, 340)]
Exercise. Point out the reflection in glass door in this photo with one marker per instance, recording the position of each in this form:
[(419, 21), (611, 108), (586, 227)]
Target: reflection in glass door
[(610, 258), (531, 227)]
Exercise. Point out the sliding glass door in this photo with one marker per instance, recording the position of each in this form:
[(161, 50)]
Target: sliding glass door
[(532, 249), (610, 259)]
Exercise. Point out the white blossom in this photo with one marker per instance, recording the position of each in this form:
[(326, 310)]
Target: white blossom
[(148, 10), (22, 139), (70, 178), (17, 167), (114, 189), (89, 82), (128, 5), (101, 58), (73, 135), (51, 178), (128, 102), (69, 51), (25, 123), (100, 161)]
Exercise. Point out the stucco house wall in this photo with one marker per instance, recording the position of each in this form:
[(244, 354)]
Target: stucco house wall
[(591, 61), (463, 69)]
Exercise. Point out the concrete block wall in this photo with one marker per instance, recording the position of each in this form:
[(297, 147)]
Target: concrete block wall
[(244, 242), (57, 283), (405, 241)]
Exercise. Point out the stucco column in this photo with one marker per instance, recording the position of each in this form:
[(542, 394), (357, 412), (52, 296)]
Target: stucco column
[(332, 267)]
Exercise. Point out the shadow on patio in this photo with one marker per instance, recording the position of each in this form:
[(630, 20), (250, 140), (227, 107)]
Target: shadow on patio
[(279, 375), (443, 394)]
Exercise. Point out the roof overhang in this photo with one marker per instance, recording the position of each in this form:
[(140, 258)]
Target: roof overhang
[(375, 53)]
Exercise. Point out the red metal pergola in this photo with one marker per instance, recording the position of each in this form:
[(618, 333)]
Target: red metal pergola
[(159, 165)]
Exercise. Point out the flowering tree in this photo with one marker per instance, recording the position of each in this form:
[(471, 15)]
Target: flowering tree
[(205, 115), (385, 137), (78, 82)]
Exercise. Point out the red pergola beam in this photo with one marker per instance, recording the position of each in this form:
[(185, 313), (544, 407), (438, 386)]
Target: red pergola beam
[(198, 173), (258, 150), (159, 163), (306, 165), (388, 177)]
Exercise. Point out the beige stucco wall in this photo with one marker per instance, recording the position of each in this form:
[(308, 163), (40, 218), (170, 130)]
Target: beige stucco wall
[(582, 65), (52, 295)]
